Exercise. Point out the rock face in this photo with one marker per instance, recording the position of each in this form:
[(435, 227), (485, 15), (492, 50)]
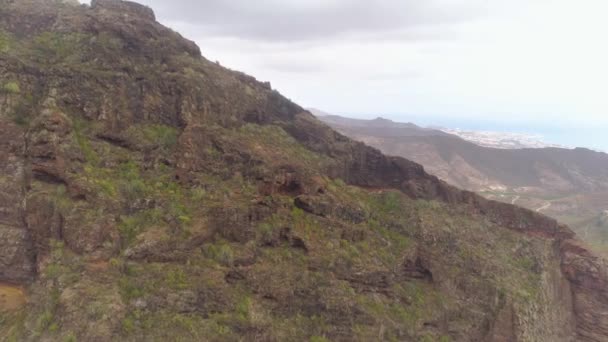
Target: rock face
[(16, 256), (149, 194), (124, 7)]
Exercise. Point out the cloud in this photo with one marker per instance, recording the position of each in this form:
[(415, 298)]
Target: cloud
[(296, 67), (300, 20)]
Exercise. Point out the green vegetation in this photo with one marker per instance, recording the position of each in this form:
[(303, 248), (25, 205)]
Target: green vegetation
[(23, 109), (220, 252), (11, 88), (127, 184), (154, 135), (70, 337), (266, 138), (164, 136), (318, 339), (129, 288), (4, 42), (54, 47), (85, 146), (131, 226), (128, 325), (177, 279)]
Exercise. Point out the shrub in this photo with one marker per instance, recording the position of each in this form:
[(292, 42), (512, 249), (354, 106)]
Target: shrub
[(11, 88), (223, 253), (4, 42), (23, 109), (83, 141), (177, 279), (128, 325), (243, 308), (131, 226), (129, 289), (44, 321), (164, 136)]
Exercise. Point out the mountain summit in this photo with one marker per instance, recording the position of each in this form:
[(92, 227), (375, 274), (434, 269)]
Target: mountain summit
[(148, 194)]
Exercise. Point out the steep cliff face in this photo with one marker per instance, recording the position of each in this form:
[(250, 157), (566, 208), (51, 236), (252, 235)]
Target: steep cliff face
[(149, 194)]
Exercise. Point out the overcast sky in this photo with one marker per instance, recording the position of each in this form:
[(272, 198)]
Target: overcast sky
[(503, 61)]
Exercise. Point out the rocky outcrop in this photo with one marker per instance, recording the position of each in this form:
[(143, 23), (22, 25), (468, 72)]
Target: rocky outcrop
[(124, 7), (17, 252), (589, 280)]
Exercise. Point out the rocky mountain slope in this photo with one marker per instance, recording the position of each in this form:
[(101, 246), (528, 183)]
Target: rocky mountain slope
[(148, 194)]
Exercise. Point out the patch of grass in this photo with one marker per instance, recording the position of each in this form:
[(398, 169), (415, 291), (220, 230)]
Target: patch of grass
[(130, 289), (304, 223), (164, 136), (5, 42), (388, 202), (154, 135), (60, 199), (433, 338), (131, 226), (128, 324), (130, 183), (221, 253), (266, 231), (109, 42), (80, 127), (526, 263), (171, 326), (23, 111), (70, 337), (11, 88), (243, 308), (265, 139), (44, 321), (177, 279), (54, 47)]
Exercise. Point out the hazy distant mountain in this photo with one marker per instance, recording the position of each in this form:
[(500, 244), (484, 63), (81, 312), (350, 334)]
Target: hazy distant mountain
[(380, 126), (318, 112)]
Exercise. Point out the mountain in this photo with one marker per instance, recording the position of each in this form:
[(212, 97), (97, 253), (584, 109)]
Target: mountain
[(380, 126), (148, 194), (568, 184)]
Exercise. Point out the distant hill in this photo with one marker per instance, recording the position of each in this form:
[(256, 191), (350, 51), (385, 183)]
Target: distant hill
[(380, 127), (479, 168)]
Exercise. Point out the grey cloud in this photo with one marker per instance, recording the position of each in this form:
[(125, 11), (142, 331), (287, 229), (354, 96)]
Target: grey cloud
[(296, 20), (294, 67), (398, 75)]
